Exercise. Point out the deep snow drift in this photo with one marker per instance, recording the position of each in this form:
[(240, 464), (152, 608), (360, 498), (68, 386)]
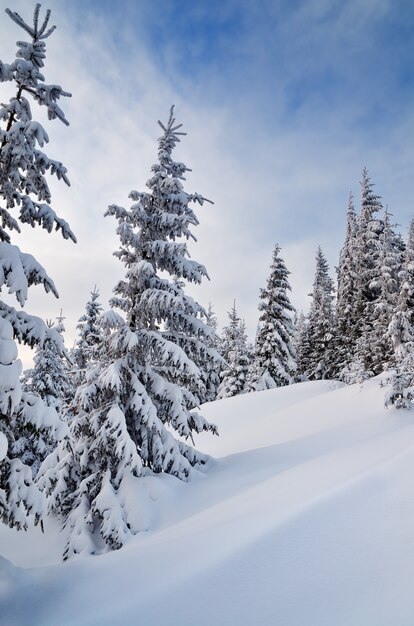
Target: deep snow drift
[(305, 517)]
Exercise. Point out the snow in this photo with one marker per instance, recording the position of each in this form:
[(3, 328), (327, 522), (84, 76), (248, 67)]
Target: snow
[(304, 517), (10, 388), (3, 446), (6, 330), (18, 270), (8, 351)]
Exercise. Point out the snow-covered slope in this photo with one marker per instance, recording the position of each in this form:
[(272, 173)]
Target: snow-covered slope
[(305, 517)]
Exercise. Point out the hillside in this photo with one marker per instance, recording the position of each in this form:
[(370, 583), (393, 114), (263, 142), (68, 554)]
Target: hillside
[(304, 517)]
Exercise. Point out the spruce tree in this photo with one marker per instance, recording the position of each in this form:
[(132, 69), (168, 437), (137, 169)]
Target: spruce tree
[(49, 378), (210, 369), (317, 351), (275, 354), (237, 356), (390, 262), (346, 314), (370, 229), (137, 407), (401, 332), (301, 345), (25, 199), (368, 247), (89, 338)]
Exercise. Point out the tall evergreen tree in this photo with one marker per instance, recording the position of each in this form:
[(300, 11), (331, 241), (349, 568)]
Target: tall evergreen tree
[(301, 345), (368, 243), (89, 339), (346, 314), (368, 250), (317, 352), (49, 378), (390, 262), (136, 408), (25, 197), (210, 369), (237, 356), (275, 354)]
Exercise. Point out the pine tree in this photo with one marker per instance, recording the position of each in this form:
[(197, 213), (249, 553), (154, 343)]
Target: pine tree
[(317, 352), (24, 191), (237, 356), (275, 354), (136, 408)]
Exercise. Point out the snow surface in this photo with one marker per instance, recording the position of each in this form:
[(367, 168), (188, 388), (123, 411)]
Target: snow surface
[(3, 446), (304, 518)]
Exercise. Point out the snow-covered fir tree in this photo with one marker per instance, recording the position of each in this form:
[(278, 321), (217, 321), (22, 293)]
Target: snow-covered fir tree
[(210, 369), (367, 252), (401, 332), (49, 378), (390, 262), (89, 338), (317, 351), (275, 356), (346, 314), (237, 356), (25, 198), (301, 345), (370, 228), (137, 408)]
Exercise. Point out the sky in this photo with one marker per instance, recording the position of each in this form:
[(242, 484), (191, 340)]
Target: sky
[(283, 103)]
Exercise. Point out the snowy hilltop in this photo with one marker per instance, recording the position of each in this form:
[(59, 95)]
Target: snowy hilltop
[(304, 515)]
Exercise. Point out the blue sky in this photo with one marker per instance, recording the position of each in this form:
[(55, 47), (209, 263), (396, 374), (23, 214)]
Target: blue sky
[(284, 103)]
